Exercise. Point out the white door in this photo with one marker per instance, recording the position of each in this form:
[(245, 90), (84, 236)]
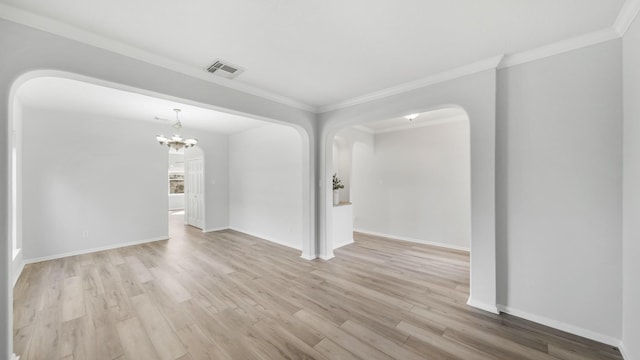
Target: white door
[(194, 193)]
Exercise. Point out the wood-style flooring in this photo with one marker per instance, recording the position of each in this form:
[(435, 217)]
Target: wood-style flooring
[(227, 295)]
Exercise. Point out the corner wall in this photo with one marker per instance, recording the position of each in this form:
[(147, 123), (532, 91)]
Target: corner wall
[(90, 182), (265, 187), (631, 222), (559, 194)]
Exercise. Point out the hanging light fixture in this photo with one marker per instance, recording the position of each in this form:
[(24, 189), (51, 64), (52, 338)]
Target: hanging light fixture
[(176, 141)]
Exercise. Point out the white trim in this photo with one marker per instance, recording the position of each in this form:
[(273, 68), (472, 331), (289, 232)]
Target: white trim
[(17, 274), (338, 246), (482, 306), (473, 68), (92, 250), (559, 47), (623, 351), (215, 229), (327, 256), (15, 357), (16, 253), (268, 238), (572, 329), (419, 241), (74, 33), (308, 256), (627, 15)]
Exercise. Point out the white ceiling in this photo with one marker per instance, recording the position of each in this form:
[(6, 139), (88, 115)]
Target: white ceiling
[(427, 118), (325, 52), (77, 96)]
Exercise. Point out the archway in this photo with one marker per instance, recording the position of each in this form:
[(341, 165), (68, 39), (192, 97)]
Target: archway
[(475, 95), (409, 179), (306, 194)]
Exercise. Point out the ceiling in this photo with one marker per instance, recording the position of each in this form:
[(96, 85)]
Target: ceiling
[(76, 96), (432, 117), (325, 52)]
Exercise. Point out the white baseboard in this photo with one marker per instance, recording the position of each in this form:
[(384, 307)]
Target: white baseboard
[(420, 241), (17, 265), (268, 238), (215, 229), (482, 306), (15, 357), (572, 329), (338, 246), (92, 250), (17, 274), (623, 351), (327, 256), (308, 256)]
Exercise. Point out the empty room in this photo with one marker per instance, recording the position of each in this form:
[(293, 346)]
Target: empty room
[(320, 180)]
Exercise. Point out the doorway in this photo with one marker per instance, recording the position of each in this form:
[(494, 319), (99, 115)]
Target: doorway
[(194, 192), (186, 184), (408, 178)]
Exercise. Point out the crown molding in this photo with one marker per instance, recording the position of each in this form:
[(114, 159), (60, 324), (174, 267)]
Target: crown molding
[(71, 32), (627, 15), (473, 68), (559, 47)]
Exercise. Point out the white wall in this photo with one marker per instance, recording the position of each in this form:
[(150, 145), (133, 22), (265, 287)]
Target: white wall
[(265, 171), (342, 150), (415, 184), (631, 223), (84, 173), (559, 151), (343, 144), (176, 201), (342, 225)]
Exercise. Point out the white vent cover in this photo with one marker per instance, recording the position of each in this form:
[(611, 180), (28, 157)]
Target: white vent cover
[(225, 69)]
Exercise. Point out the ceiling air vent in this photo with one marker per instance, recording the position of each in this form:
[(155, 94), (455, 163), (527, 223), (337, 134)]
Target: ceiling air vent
[(225, 69)]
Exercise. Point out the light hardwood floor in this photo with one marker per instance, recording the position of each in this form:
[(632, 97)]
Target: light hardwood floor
[(227, 295)]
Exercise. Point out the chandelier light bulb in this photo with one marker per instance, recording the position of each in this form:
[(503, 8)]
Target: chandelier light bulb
[(176, 141)]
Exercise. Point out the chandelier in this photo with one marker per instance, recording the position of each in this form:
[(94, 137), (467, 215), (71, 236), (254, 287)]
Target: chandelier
[(176, 141)]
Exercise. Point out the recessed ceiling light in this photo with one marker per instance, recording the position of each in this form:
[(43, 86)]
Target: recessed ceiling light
[(412, 117)]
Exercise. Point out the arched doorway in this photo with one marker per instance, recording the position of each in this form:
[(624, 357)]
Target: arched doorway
[(409, 179), (473, 96), (413, 176), (307, 170)]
